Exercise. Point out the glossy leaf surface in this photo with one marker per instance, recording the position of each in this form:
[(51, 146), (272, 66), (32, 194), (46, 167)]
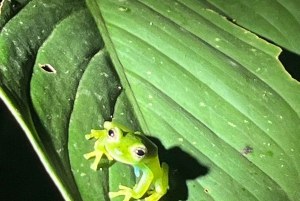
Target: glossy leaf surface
[(211, 95)]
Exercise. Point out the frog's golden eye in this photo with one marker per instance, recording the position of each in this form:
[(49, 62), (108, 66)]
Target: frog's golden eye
[(140, 152)]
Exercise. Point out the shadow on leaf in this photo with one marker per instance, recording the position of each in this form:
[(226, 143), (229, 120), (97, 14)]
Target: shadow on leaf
[(182, 167)]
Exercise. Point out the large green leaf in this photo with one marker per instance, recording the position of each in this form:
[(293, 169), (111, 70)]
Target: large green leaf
[(278, 21), (212, 96), (20, 39)]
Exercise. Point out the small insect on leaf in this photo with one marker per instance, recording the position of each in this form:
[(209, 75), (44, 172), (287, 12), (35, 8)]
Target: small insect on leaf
[(247, 150)]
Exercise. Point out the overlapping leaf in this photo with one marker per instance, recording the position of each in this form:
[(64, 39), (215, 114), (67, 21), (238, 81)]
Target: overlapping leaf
[(278, 21), (212, 89)]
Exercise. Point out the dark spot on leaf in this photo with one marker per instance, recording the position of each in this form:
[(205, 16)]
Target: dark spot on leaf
[(48, 68), (247, 150), (270, 153), (253, 173)]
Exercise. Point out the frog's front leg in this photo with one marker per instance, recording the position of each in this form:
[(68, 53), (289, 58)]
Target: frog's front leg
[(97, 155), (99, 147)]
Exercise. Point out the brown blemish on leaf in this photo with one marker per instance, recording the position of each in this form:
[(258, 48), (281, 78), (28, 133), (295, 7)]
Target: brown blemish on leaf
[(247, 150)]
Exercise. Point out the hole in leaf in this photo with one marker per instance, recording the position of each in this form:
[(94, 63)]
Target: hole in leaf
[(48, 68), (206, 190)]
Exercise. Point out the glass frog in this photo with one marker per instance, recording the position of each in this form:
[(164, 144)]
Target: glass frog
[(133, 148)]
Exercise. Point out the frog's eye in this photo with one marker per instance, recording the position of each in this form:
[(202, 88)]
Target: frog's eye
[(140, 152), (113, 133)]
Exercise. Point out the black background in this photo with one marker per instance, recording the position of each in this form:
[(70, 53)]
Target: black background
[(22, 176)]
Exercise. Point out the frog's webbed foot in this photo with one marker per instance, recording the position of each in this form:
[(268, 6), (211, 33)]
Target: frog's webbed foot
[(96, 154), (124, 190), (99, 148)]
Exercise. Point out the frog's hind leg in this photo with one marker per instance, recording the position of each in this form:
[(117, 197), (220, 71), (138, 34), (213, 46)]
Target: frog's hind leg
[(161, 185)]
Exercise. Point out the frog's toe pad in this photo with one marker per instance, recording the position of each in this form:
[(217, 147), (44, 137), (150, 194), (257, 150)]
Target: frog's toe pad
[(94, 166), (88, 136), (89, 155)]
